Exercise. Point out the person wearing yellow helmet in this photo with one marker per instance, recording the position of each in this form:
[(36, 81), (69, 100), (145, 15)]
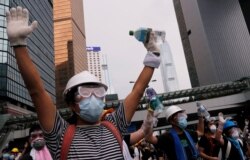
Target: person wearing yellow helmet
[(14, 154), (15, 150)]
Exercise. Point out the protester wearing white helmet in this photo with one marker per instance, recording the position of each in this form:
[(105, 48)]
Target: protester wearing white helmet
[(179, 143), (85, 85), (87, 138)]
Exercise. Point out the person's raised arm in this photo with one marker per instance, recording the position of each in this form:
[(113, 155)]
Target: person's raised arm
[(200, 126), (17, 31), (219, 131), (151, 61), (145, 130)]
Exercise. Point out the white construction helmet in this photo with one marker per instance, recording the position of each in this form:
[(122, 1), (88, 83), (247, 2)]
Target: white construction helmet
[(82, 78), (172, 110)]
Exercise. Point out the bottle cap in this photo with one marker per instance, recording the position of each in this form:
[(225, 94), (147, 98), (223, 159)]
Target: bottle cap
[(131, 33)]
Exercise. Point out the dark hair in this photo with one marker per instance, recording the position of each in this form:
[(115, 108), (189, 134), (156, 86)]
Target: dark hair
[(206, 126), (70, 99), (70, 96), (226, 131), (34, 127), (72, 119)]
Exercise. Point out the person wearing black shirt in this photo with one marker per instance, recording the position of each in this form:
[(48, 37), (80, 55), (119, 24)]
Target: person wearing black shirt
[(179, 143), (209, 147)]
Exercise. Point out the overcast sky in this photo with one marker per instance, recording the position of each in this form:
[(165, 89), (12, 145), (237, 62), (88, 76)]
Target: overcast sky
[(107, 24)]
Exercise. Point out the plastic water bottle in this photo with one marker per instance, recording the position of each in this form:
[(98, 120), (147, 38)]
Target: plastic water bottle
[(154, 101), (142, 34), (202, 109)]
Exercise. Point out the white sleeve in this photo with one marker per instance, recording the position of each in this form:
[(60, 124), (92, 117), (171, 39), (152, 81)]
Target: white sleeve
[(136, 154)]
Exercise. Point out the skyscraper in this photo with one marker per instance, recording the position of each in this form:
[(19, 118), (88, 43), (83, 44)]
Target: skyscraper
[(70, 43), (218, 34), (94, 61), (168, 71), (14, 97)]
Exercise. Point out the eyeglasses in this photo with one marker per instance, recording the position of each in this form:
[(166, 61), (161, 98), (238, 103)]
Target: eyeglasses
[(36, 134), (88, 91)]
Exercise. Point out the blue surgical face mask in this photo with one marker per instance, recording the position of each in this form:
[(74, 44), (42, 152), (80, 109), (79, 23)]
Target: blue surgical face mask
[(12, 157), (212, 128), (182, 122), (91, 108), (6, 155), (235, 134)]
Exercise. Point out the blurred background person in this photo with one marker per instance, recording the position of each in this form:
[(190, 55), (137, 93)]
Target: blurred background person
[(228, 135), (35, 148), (209, 147)]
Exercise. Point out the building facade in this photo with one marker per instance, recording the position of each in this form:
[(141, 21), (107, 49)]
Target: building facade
[(216, 39), (14, 97), (94, 61), (168, 71), (70, 43)]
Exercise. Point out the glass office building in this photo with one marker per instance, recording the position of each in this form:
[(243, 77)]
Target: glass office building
[(41, 50), (216, 39)]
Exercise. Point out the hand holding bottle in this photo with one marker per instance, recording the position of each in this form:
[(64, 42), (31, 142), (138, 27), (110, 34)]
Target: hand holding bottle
[(151, 45), (152, 58), (149, 39), (202, 111), (154, 101), (147, 125)]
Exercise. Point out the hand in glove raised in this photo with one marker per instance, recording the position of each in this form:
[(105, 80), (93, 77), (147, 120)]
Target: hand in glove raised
[(151, 44), (152, 58), (17, 26), (147, 126), (221, 121)]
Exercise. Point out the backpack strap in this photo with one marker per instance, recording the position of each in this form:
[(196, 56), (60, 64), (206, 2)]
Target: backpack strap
[(229, 145), (114, 130), (227, 152), (240, 142), (67, 139), (70, 132)]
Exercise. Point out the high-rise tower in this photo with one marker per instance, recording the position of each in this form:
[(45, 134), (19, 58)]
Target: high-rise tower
[(216, 34), (70, 43), (14, 96), (94, 61)]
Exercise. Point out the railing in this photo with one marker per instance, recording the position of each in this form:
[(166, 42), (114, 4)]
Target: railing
[(170, 98)]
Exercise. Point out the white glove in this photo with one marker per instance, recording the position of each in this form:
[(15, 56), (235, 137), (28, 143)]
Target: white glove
[(17, 26), (152, 43), (246, 122), (155, 121), (147, 126), (152, 58), (221, 121), (221, 118)]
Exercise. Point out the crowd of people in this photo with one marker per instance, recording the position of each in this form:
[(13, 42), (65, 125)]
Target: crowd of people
[(92, 133), (222, 139)]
